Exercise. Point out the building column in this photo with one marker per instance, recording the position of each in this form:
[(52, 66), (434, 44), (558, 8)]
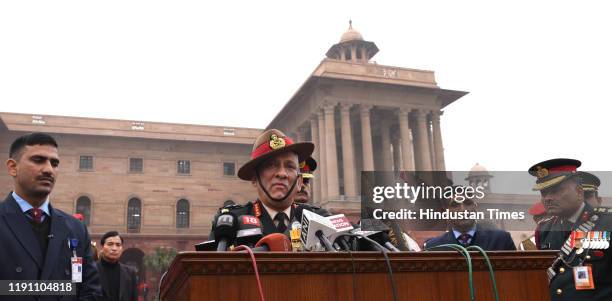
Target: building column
[(385, 135), (333, 189), (423, 157), (366, 133), (323, 156), (407, 156), (343, 53), (299, 134), (432, 151), (364, 58), (348, 154), (397, 156), (354, 54), (314, 137), (437, 140)]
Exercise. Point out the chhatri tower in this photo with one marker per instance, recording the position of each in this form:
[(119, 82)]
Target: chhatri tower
[(365, 117)]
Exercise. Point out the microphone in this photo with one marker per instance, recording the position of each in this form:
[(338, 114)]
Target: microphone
[(378, 232), (381, 237), (249, 230), (323, 230), (342, 225), (225, 229), (314, 227), (295, 234), (209, 245), (275, 242)]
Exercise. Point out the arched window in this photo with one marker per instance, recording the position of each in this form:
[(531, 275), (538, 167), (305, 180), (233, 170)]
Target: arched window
[(134, 215), (83, 206), (182, 214)]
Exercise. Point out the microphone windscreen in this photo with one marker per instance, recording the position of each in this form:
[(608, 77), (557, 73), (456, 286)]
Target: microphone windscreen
[(225, 227), (276, 242)]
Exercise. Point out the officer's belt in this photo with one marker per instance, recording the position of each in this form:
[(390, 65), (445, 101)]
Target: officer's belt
[(567, 249)]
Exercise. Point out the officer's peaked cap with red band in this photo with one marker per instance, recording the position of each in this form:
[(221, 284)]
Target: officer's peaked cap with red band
[(308, 167), (270, 143), (552, 172)]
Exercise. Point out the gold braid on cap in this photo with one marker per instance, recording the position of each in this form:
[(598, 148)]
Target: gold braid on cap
[(276, 142), (589, 187)]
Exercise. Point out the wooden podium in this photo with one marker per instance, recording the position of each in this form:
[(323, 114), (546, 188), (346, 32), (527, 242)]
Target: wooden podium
[(418, 276)]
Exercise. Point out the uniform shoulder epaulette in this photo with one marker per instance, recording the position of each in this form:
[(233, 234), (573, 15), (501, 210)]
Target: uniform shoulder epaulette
[(602, 210)]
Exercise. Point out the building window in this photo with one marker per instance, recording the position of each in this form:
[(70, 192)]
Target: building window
[(86, 163), (134, 215), (136, 165), (83, 207), (229, 168), (182, 214), (183, 167)]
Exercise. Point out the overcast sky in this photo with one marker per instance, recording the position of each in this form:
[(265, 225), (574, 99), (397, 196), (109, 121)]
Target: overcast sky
[(538, 72)]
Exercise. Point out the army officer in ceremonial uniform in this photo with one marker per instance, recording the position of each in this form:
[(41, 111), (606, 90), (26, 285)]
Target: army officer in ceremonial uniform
[(275, 174), (579, 231)]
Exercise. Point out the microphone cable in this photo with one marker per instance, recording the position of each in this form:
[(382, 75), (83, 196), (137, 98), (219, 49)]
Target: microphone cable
[(161, 280), (254, 261), (354, 273), (463, 251), (491, 273), (384, 252)]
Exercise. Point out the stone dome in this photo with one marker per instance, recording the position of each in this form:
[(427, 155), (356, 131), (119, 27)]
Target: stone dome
[(478, 170), (351, 34)]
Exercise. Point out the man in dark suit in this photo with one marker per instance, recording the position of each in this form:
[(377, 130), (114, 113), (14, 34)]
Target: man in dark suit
[(468, 232), (39, 241), (119, 281), (275, 174)]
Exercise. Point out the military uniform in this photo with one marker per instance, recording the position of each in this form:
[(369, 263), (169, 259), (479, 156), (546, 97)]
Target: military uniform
[(557, 234), (580, 272), (257, 209)]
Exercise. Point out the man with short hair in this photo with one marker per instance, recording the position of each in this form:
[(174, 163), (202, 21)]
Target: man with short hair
[(578, 230), (119, 281), (40, 242), (307, 169), (275, 174), (467, 232)]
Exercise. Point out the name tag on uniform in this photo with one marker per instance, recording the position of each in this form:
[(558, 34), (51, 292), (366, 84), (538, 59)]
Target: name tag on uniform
[(583, 278), (77, 269)]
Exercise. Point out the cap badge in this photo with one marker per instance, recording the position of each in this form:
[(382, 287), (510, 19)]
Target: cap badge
[(276, 142), (541, 172)]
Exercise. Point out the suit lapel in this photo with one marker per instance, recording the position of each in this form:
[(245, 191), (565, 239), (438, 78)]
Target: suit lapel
[(18, 223), (449, 238), (481, 238), (59, 240)]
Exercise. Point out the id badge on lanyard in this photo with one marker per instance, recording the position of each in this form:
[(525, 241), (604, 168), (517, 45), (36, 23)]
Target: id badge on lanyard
[(76, 262), (583, 277)]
